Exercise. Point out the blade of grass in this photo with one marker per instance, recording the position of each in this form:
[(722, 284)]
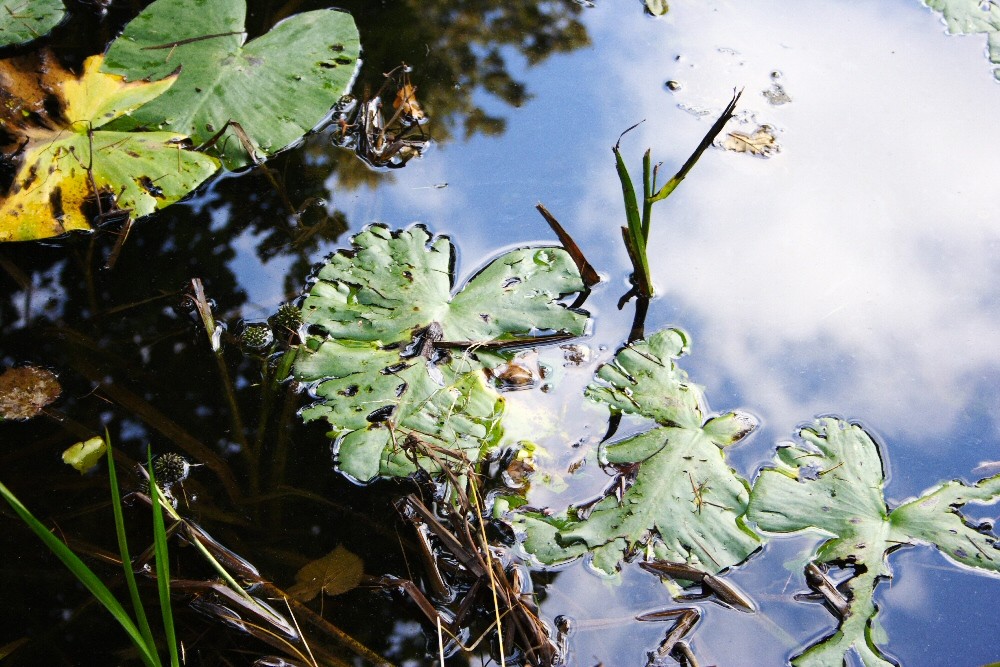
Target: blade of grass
[(133, 588), (162, 566), (706, 141), (85, 576), (640, 264)]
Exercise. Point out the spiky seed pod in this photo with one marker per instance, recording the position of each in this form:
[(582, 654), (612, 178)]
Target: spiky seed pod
[(288, 318), (256, 337), (170, 469)]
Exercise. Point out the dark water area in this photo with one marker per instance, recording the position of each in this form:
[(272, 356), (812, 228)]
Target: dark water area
[(854, 273)]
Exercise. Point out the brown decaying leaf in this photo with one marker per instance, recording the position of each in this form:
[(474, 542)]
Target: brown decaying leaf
[(406, 100), (26, 390), (337, 572), (25, 84), (761, 142)]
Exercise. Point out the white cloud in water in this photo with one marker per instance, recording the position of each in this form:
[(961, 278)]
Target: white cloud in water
[(857, 271)]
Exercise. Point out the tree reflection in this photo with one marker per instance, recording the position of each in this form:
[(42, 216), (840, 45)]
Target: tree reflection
[(132, 359)]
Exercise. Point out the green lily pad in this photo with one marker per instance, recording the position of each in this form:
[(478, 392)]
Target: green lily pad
[(24, 20), (832, 482), (966, 17), (277, 87), (685, 504), (396, 396)]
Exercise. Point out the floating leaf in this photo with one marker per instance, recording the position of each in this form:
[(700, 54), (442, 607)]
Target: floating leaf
[(85, 455), (657, 7), (966, 17), (685, 504), (337, 572), (833, 482), (53, 191), (761, 143), (24, 20), (395, 395), (25, 390), (277, 87)]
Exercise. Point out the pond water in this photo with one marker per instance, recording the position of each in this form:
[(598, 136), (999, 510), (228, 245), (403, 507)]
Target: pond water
[(854, 272)]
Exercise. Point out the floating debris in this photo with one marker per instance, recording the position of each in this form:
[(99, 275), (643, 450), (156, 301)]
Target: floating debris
[(24, 391), (760, 143)]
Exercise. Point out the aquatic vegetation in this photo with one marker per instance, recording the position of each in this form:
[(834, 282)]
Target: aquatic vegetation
[(397, 360), (65, 162), (967, 17), (250, 100), (137, 627), (675, 499), (26, 390), (636, 232), (832, 482), (22, 21)]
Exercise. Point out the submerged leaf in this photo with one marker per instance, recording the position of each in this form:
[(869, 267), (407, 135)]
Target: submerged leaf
[(64, 162), (24, 20), (685, 503), (337, 572), (85, 455), (25, 390), (276, 93), (396, 397), (833, 482)]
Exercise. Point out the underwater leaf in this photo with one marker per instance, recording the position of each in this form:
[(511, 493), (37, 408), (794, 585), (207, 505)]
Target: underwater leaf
[(337, 572), (85, 455), (24, 20), (761, 143), (832, 482), (966, 17), (53, 191), (276, 93), (381, 316), (684, 504), (25, 390)]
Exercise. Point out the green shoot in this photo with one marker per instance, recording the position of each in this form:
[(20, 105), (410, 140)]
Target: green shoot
[(86, 577), (133, 588), (636, 233), (162, 566)]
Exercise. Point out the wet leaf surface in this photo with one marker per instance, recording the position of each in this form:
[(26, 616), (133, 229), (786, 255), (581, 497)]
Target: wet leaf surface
[(85, 455), (277, 94), (833, 481), (25, 390), (24, 20), (68, 155), (965, 17), (395, 400), (337, 572), (685, 504)]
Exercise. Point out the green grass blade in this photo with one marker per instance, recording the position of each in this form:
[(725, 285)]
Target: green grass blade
[(638, 245), (162, 567), (84, 574), (133, 588), (706, 141), (648, 183)]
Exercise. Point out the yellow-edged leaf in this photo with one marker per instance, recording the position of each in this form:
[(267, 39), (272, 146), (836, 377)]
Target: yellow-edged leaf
[(69, 162), (97, 98)]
